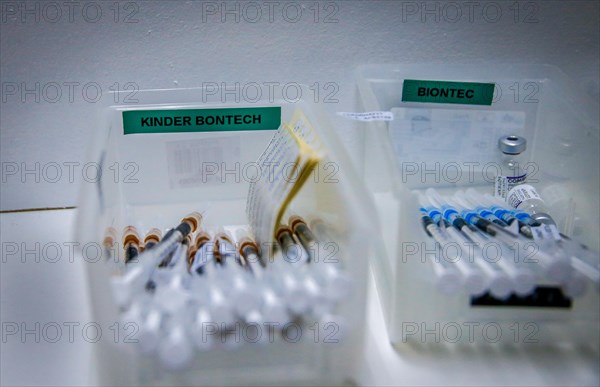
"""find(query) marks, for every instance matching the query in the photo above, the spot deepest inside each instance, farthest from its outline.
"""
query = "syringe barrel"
(294, 253)
(253, 261)
(434, 197)
(203, 258)
(304, 234)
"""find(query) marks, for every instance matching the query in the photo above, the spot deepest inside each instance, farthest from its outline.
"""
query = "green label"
(465, 93)
(201, 120)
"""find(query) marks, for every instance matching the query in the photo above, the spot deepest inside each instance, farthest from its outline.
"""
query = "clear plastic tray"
(154, 189)
(448, 147)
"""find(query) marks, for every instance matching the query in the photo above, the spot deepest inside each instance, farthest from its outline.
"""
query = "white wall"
(179, 44)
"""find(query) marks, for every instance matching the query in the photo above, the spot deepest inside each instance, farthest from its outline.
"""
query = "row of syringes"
(174, 287)
(465, 226)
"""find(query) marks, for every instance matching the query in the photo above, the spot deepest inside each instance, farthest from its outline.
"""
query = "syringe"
(481, 211)
(273, 308)
(498, 208)
(108, 243)
(200, 324)
(161, 274)
(522, 278)
(175, 350)
(139, 270)
(171, 240)
(582, 258)
(206, 284)
(141, 313)
(149, 326)
(131, 243)
(320, 301)
(448, 279)
(499, 283)
(298, 258)
(336, 285)
(249, 252)
(147, 318)
(174, 295)
(293, 252)
(281, 273)
(150, 330)
(528, 226)
(201, 253)
(474, 280)
(151, 239)
(243, 295)
(556, 268)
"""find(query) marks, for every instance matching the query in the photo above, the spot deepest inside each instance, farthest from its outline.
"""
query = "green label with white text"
(201, 120)
(464, 93)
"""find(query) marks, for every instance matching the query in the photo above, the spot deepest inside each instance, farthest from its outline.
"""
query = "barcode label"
(193, 163)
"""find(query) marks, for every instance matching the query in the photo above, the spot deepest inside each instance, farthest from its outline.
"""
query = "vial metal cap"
(544, 218)
(512, 145)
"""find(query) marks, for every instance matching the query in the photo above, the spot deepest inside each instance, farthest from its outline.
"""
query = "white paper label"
(368, 116)
(546, 231)
(266, 195)
(291, 151)
(521, 193)
(503, 184)
(430, 136)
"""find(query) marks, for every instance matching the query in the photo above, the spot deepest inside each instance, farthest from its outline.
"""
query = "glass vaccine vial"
(511, 164)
